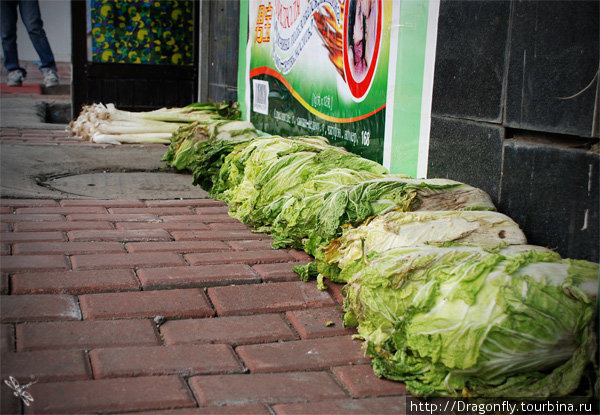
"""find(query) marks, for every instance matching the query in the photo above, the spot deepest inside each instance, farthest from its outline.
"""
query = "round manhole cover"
(136, 185)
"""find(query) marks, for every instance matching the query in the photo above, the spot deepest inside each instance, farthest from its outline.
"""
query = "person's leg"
(30, 14)
(8, 26)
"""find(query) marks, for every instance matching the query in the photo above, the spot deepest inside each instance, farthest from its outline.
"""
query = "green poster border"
(242, 60)
(408, 94)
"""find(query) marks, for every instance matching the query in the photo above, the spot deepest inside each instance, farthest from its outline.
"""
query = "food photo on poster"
(320, 68)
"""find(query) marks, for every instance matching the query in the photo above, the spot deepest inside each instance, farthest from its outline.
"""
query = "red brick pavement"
(168, 306)
(237, 333)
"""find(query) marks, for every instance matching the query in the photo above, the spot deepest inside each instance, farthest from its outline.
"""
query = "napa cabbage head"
(465, 321)
(401, 229)
(354, 204)
(218, 121)
(276, 169)
(201, 146)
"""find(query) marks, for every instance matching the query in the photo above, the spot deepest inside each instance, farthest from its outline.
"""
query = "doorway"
(139, 55)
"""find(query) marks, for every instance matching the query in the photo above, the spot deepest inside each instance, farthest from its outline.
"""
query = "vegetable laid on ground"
(301, 190)
(405, 229)
(443, 290)
(106, 124)
(466, 322)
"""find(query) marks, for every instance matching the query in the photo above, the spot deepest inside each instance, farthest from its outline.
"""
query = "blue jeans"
(30, 14)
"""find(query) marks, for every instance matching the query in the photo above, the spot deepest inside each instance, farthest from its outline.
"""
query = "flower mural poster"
(144, 32)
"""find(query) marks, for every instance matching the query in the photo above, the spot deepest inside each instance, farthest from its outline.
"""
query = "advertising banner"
(320, 67)
(330, 68)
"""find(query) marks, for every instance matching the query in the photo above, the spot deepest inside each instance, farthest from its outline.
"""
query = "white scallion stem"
(147, 138)
(135, 127)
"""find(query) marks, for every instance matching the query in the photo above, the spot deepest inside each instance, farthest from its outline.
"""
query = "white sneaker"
(50, 77)
(15, 78)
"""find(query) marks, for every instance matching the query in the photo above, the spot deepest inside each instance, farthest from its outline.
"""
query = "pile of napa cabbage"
(443, 290)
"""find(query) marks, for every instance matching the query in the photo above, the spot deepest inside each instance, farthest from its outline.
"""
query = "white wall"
(56, 15)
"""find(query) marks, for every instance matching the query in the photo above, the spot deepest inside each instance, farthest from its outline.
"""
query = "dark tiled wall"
(469, 64)
(553, 57)
(469, 152)
(503, 70)
(552, 193)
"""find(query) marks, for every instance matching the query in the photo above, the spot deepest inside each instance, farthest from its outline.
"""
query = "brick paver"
(212, 210)
(278, 271)
(229, 226)
(153, 392)
(122, 217)
(300, 256)
(9, 237)
(74, 282)
(264, 388)
(198, 218)
(234, 330)
(168, 226)
(253, 409)
(169, 306)
(69, 210)
(7, 338)
(263, 298)
(318, 322)
(32, 218)
(136, 235)
(125, 260)
(66, 248)
(33, 262)
(177, 246)
(242, 257)
(360, 381)
(16, 308)
(4, 284)
(201, 276)
(170, 303)
(250, 245)
(60, 226)
(157, 210)
(184, 203)
(188, 359)
(375, 406)
(28, 202)
(85, 334)
(212, 234)
(336, 291)
(9, 403)
(104, 203)
(302, 355)
(47, 365)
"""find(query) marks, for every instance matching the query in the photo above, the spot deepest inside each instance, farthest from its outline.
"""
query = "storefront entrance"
(139, 55)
